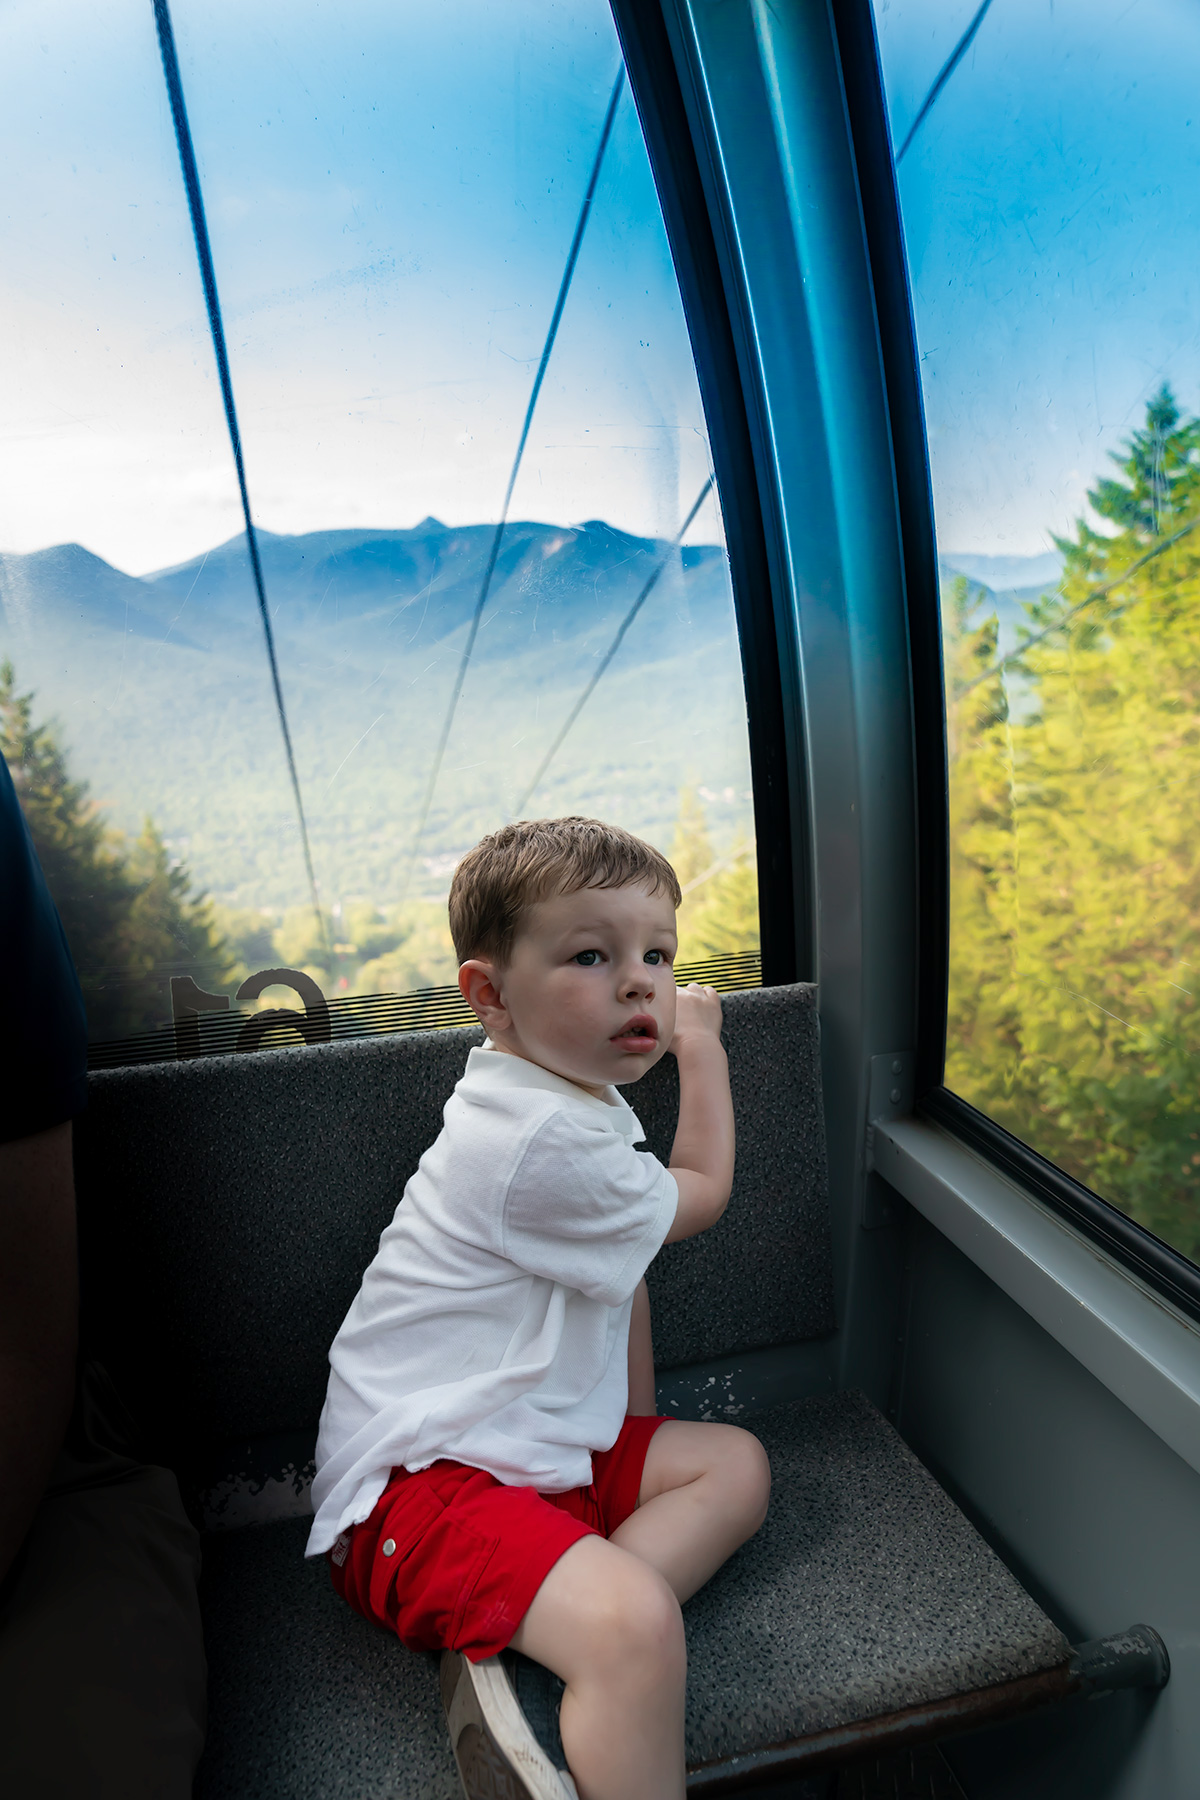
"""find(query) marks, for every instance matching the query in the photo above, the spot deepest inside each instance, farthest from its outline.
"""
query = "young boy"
(480, 1483)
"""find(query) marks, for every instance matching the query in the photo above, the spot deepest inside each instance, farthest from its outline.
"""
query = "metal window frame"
(866, 106)
(1166, 1270)
(731, 393)
(1110, 1317)
(764, 107)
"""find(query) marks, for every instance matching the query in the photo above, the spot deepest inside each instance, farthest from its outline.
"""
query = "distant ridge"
(70, 589)
(160, 686)
(1004, 574)
(370, 588)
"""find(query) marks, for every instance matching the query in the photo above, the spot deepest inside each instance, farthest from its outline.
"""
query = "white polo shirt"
(493, 1325)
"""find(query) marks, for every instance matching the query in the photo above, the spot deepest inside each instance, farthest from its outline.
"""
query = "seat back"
(229, 1205)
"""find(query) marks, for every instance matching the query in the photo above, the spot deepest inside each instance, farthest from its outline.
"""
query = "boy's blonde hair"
(523, 863)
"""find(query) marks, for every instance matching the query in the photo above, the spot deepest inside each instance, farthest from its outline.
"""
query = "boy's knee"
(635, 1622)
(650, 1631)
(748, 1473)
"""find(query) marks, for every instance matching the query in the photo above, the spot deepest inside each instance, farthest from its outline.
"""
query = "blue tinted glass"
(391, 193)
(1050, 211)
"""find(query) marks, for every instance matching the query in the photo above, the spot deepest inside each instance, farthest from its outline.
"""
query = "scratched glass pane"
(391, 194)
(1050, 195)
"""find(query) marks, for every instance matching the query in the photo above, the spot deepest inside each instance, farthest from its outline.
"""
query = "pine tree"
(129, 915)
(1087, 979)
(719, 914)
(984, 919)
(1159, 470)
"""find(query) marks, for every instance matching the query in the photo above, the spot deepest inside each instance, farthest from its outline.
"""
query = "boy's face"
(589, 990)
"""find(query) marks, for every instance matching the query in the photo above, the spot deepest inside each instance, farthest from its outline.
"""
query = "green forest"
(134, 919)
(130, 916)
(1075, 853)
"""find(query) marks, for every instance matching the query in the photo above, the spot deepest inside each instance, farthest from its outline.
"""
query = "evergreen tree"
(984, 917)
(1075, 1009)
(1159, 469)
(129, 915)
(719, 914)
(691, 854)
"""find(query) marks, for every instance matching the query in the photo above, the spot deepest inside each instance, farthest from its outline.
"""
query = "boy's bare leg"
(607, 1620)
(704, 1491)
(641, 1356)
(610, 1626)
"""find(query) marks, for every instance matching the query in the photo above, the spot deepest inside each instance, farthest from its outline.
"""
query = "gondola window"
(416, 276)
(1049, 167)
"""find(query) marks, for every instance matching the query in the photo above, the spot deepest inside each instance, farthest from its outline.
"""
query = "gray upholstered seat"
(865, 1592)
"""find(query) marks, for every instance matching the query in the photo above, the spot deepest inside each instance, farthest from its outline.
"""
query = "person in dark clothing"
(102, 1672)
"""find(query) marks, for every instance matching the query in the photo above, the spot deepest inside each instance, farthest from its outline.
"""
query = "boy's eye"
(586, 958)
(653, 956)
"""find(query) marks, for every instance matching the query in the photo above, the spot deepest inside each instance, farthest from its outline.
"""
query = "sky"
(1051, 203)
(391, 190)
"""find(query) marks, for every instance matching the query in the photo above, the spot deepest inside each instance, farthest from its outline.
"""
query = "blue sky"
(1051, 204)
(391, 190)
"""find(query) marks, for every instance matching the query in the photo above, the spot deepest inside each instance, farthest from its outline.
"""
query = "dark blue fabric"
(44, 1029)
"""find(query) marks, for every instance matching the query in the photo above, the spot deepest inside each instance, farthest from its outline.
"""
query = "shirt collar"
(488, 1067)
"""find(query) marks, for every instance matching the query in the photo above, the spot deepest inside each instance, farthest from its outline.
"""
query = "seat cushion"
(866, 1591)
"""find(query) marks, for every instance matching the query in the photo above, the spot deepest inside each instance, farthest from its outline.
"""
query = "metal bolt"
(895, 1096)
(897, 1065)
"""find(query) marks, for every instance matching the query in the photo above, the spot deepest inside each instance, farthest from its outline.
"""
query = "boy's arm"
(641, 1356)
(702, 1154)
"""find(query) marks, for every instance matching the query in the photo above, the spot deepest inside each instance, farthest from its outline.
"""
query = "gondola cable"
(618, 640)
(944, 73)
(498, 534)
(191, 182)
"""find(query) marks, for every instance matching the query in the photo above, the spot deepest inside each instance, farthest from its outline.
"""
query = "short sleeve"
(44, 1023)
(586, 1209)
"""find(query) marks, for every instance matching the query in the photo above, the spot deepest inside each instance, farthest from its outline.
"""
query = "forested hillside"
(1075, 843)
(140, 724)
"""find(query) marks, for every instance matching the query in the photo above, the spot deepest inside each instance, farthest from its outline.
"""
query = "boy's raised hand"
(702, 1154)
(697, 1014)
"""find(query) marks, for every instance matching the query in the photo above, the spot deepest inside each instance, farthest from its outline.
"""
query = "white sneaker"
(498, 1756)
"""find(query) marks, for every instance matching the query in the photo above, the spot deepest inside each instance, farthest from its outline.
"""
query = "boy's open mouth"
(639, 1035)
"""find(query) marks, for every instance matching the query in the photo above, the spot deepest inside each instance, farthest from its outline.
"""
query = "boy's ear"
(478, 983)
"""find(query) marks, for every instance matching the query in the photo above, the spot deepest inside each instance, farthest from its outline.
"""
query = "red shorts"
(451, 1558)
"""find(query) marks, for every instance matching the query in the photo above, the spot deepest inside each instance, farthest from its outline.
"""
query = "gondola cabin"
(771, 425)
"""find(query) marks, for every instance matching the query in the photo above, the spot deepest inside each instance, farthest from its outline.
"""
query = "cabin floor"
(922, 1774)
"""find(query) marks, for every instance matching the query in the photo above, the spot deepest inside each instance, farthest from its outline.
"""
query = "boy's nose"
(639, 980)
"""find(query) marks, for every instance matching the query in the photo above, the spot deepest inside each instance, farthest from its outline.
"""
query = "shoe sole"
(497, 1755)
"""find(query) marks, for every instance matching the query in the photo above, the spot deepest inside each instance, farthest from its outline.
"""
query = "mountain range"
(1005, 574)
(160, 688)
